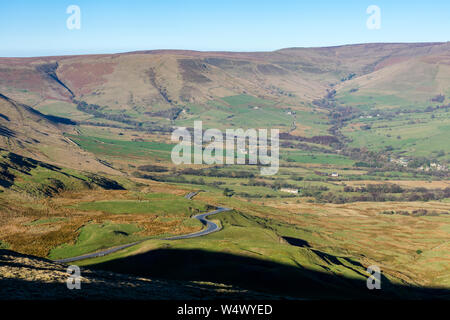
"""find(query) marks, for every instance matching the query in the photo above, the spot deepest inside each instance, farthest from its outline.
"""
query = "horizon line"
(144, 51)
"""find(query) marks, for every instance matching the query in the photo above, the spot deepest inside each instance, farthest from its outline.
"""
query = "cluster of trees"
(391, 114)
(349, 77)
(328, 101)
(177, 179)
(154, 127)
(276, 90)
(344, 113)
(331, 94)
(383, 194)
(379, 161)
(415, 213)
(153, 168)
(439, 98)
(100, 124)
(259, 196)
(362, 164)
(323, 103)
(325, 140)
(377, 188)
(171, 113)
(422, 161)
(214, 172)
(227, 192)
(96, 111)
(367, 158)
(431, 108)
(314, 191)
(274, 185)
(303, 146)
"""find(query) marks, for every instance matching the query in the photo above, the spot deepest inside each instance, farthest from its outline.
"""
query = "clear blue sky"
(32, 28)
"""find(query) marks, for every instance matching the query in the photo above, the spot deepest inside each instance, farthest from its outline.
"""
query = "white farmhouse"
(335, 174)
(289, 190)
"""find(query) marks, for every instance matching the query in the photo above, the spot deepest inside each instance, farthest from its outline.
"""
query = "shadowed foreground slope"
(24, 277)
(260, 275)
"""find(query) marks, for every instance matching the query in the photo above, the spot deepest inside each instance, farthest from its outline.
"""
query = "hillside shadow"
(259, 275)
(101, 288)
(5, 132)
(59, 120)
(41, 279)
(24, 165)
(297, 242)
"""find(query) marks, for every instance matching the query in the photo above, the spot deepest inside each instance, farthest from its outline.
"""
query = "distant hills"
(167, 78)
(160, 89)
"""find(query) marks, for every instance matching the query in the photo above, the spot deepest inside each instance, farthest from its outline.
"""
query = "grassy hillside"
(85, 165)
(25, 131)
(261, 246)
(41, 179)
(405, 82)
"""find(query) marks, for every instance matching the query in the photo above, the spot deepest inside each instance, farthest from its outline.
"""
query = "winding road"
(210, 228)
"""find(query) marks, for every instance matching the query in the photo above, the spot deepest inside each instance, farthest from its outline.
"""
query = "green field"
(94, 237)
(170, 206)
(316, 158)
(368, 101)
(240, 111)
(123, 148)
(63, 109)
(416, 135)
